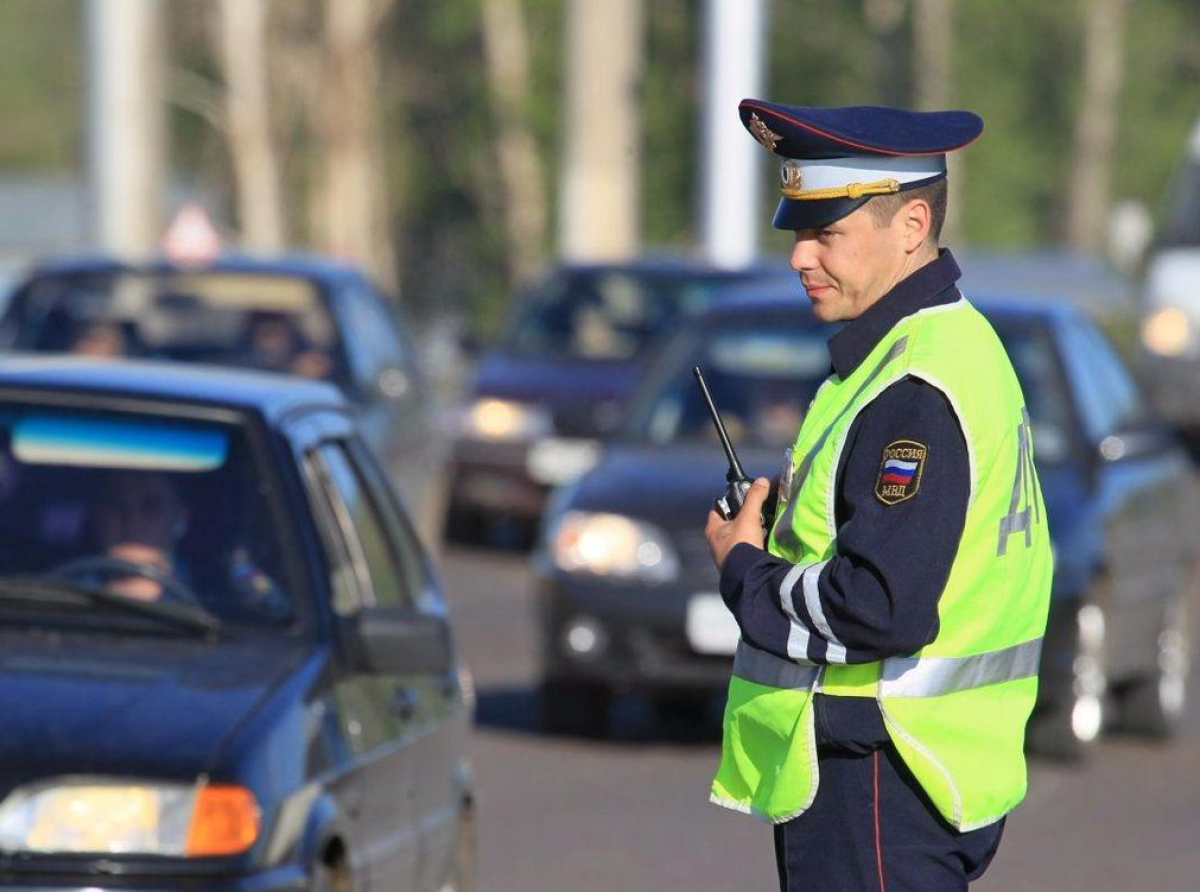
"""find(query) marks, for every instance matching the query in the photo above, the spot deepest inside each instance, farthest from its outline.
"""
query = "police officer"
(892, 614)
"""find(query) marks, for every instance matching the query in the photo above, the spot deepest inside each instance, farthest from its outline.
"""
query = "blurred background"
(541, 191)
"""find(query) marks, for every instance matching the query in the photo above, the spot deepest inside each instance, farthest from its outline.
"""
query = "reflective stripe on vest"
(902, 676)
(934, 676)
(765, 668)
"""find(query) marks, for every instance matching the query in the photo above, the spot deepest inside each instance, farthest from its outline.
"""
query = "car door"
(1143, 490)
(440, 716)
(376, 710)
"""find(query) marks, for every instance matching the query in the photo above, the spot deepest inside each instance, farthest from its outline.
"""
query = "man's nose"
(803, 256)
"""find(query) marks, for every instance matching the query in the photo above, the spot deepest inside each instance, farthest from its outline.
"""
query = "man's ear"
(916, 217)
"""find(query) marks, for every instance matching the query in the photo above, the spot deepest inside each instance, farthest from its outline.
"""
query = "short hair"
(883, 207)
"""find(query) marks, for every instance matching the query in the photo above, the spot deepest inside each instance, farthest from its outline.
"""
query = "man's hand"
(722, 535)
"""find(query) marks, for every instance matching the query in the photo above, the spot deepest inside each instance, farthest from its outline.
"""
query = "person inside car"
(138, 517)
(275, 343)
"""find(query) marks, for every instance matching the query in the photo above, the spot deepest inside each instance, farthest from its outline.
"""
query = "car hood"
(671, 486)
(583, 396)
(132, 706)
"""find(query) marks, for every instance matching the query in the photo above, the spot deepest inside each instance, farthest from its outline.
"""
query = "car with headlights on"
(301, 315)
(1169, 356)
(628, 596)
(542, 401)
(225, 661)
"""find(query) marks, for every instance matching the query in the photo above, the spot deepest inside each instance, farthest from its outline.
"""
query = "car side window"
(1108, 396)
(378, 569)
(376, 345)
(408, 546)
(345, 570)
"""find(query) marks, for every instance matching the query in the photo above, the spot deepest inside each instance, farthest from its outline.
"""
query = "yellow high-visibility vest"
(956, 710)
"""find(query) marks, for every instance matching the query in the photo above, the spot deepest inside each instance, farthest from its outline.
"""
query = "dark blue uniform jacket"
(879, 594)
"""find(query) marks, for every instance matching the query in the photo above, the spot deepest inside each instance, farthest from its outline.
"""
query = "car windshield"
(270, 322)
(761, 376)
(763, 373)
(608, 314)
(152, 509)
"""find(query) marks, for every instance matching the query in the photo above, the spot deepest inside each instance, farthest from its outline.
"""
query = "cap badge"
(763, 133)
(790, 176)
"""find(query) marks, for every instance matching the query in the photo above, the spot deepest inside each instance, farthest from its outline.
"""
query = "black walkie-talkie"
(731, 503)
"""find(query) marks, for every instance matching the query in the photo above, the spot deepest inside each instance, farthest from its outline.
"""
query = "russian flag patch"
(900, 471)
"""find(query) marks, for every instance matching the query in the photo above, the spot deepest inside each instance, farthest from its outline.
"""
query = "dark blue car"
(542, 401)
(303, 315)
(224, 659)
(628, 594)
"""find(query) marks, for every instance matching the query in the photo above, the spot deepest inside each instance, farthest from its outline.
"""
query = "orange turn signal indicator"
(225, 821)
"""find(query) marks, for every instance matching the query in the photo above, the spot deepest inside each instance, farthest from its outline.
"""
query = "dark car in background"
(628, 595)
(225, 662)
(300, 315)
(544, 399)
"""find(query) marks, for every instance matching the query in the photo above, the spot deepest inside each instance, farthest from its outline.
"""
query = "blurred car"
(628, 595)
(299, 315)
(225, 662)
(542, 401)
(1169, 357)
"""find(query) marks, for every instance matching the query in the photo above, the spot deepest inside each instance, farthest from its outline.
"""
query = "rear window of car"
(608, 314)
(762, 377)
(270, 322)
(113, 500)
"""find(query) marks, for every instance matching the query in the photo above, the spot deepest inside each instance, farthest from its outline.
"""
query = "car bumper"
(1171, 385)
(642, 632)
(494, 477)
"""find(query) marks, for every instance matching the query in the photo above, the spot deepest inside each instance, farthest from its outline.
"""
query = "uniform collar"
(931, 285)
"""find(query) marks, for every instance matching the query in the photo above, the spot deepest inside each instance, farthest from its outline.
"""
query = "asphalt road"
(631, 813)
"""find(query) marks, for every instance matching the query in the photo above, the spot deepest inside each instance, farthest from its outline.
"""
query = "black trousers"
(870, 828)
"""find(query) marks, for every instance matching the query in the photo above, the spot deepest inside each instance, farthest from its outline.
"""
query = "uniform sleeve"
(903, 488)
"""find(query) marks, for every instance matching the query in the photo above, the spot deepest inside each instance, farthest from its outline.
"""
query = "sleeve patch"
(900, 471)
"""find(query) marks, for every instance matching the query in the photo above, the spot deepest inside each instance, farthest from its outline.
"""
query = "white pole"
(125, 123)
(730, 158)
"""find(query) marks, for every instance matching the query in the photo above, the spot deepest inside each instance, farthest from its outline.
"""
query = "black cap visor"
(807, 214)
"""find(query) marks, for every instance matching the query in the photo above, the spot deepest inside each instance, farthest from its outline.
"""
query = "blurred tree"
(520, 177)
(251, 144)
(350, 200)
(884, 20)
(1096, 123)
(933, 79)
(602, 144)
(41, 84)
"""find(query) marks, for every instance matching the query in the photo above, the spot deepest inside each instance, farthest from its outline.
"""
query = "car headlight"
(101, 816)
(490, 418)
(1167, 332)
(612, 545)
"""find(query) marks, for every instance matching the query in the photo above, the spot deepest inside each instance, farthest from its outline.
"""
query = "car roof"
(770, 301)
(675, 264)
(269, 395)
(310, 266)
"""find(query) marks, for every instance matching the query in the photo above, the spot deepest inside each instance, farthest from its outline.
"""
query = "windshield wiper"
(34, 589)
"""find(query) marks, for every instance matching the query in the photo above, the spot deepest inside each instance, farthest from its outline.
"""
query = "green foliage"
(41, 83)
(1016, 62)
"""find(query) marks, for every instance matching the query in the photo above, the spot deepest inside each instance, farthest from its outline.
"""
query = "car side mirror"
(394, 383)
(1134, 442)
(389, 640)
